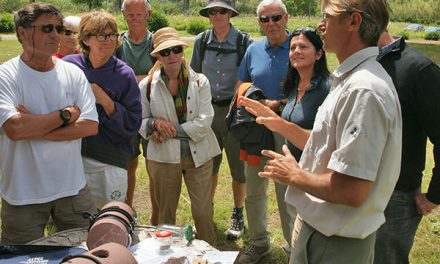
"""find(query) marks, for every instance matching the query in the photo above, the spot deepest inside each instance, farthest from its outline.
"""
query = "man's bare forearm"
(81, 128)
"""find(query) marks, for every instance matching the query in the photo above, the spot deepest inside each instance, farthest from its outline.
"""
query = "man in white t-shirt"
(46, 107)
(351, 160)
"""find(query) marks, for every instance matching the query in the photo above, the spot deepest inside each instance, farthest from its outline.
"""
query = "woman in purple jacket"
(106, 155)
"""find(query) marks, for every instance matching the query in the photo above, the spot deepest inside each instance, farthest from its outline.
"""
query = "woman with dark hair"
(306, 85)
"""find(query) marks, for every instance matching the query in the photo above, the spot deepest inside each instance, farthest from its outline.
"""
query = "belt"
(221, 103)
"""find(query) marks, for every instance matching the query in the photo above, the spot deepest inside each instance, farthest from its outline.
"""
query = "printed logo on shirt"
(116, 195)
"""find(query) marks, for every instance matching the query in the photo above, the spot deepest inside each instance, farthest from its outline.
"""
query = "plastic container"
(164, 238)
(186, 232)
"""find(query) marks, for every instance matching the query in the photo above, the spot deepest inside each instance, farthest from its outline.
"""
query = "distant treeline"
(413, 11)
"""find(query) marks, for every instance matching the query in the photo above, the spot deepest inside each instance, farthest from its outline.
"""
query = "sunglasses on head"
(102, 36)
(50, 27)
(265, 19)
(69, 32)
(213, 12)
(175, 50)
(305, 29)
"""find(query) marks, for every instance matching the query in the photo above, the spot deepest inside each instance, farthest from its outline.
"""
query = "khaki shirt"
(357, 132)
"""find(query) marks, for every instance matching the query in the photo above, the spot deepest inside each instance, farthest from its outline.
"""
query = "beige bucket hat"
(165, 38)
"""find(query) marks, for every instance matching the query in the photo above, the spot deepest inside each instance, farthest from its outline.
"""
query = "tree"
(302, 7)
(185, 5)
(90, 3)
(118, 5)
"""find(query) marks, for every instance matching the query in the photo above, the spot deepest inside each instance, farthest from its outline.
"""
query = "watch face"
(66, 114)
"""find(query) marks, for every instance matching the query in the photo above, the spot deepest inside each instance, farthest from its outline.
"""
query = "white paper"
(221, 257)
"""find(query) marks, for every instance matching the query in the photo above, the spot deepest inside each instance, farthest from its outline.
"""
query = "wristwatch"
(65, 115)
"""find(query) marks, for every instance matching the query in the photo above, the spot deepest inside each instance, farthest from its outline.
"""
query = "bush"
(196, 26)
(157, 21)
(6, 23)
(432, 36)
(404, 34)
(9, 6)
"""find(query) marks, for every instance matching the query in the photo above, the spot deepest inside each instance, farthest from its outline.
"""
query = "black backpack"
(242, 44)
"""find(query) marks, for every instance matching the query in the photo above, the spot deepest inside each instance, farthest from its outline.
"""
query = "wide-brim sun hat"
(165, 38)
(217, 3)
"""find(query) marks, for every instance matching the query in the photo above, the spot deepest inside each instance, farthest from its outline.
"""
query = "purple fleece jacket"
(112, 143)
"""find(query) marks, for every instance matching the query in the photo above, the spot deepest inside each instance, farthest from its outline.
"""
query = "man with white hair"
(135, 51)
(265, 65)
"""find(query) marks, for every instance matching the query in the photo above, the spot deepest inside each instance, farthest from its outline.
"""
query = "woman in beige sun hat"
(176, 117)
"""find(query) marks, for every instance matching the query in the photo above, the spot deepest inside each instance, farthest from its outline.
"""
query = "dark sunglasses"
(103, 37)
(175, 50)
(69, 32)
(305, 29)
(213, 12)
(50, 27)
(265, 19)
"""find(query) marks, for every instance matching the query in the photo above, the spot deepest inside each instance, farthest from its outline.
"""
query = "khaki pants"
(314, 247)
(256, 203)
(167, 181)
(24, 223)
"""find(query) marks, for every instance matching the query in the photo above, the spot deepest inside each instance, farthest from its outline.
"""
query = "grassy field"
(425, 250)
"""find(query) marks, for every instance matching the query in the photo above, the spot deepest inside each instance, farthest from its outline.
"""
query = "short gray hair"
(72, 22)
(269, 2)
(147, 4)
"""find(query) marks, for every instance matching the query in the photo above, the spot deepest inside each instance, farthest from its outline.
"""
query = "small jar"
(164, 238)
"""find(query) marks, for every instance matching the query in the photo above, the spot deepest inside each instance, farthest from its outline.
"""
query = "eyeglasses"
(265, 19)
(221, 11)
(175, 50)
(305, 29)
(50, 27)
(70, 32)
(103, 37)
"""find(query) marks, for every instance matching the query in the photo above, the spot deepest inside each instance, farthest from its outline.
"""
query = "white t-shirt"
(40, 171)
(357, 132)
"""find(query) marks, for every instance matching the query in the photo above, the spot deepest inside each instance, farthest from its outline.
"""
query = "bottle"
(186, 232)
(164, 238)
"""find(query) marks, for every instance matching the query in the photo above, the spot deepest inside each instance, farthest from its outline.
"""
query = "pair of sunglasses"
(102, 37)
(50, 27)
(175, 50)
(221, 11)
(265, 19)
(69, 32)
(305, 29)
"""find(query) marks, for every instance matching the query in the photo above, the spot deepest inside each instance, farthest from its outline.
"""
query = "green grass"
(426, 248)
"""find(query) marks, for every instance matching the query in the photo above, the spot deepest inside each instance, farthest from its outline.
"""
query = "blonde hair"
(93, 23)
(375, 16)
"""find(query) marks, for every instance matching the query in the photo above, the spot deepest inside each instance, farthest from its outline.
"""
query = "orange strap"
(241, 90)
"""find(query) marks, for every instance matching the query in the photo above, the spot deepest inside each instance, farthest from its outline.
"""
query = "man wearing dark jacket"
(416, 79)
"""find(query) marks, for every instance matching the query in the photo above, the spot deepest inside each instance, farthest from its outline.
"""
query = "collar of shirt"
(230, 38)
(394, 46)
(355, 60)
(284, 45)
(314, 82)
